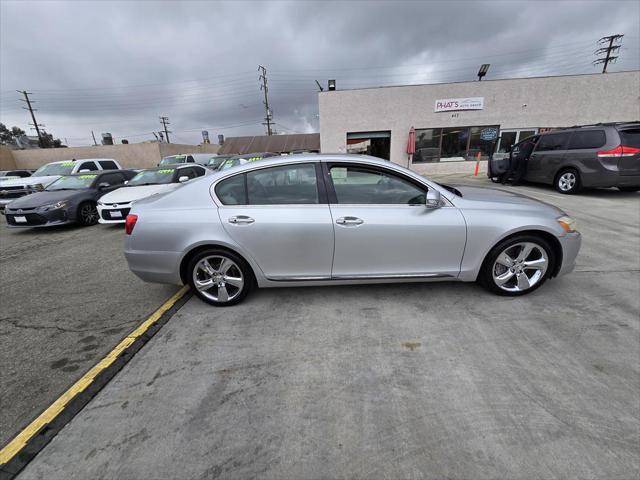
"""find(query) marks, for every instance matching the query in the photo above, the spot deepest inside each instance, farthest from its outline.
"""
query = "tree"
(7, 136)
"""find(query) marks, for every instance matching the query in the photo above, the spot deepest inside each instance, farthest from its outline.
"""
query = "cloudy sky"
(114, 67)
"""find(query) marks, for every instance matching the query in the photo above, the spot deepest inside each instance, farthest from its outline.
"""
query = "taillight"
(129, 223)
(620, 151)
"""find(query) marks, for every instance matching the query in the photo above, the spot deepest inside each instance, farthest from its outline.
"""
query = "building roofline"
(476, 81)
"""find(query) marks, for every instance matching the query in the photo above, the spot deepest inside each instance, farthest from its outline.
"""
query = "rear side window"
(199, 171)
(87, 166)
(587, 139)
(112, 179)
(553, 141)
(630, 137)
(232, 191)
(190, 159)
(285, 185)
(108, 165)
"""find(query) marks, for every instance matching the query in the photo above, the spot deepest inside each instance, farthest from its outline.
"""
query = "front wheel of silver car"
(518, 265)
(219, 277)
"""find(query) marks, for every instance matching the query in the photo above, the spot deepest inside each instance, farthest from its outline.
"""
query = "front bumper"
(570, 243)
(36, 218)
(109, 213)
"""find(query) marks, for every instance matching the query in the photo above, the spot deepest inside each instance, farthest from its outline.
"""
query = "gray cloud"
(116, 66)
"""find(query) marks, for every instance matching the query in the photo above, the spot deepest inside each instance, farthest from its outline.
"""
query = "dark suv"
(603, 155)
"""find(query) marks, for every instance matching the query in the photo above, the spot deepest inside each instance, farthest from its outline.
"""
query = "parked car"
(343, 219)
(69, 199)
(114, 206)
(245, 158)
(604, 155)
(46, 174)
(215, 162)
(12, 174)
(200, 158)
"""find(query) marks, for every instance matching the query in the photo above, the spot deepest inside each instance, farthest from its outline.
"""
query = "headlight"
(54, 206)
(567, 223)
(38, 187)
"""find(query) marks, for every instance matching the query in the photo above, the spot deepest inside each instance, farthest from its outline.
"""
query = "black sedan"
(70, 199)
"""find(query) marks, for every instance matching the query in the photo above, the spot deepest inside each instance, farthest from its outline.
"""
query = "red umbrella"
(411, 144)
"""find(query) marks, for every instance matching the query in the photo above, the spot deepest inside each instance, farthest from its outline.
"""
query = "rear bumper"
(609, 179)
(156, 267)
(570, 243)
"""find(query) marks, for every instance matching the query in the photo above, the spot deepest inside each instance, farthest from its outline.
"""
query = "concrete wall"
(133, 155)
(550, 102)
(7, 161)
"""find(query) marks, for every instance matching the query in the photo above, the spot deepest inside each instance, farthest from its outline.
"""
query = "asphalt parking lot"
(386, 381)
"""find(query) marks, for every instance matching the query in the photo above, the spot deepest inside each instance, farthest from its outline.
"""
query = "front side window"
(357, 185)
(553, 141)
(72, 182)
(91, 166)
(587, 139)
(284, 185)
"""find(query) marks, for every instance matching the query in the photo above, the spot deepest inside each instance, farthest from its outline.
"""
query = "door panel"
(285, 241)
(383, 240)
(547, 157)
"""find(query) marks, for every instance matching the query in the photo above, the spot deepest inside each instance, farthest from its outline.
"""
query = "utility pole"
(319, 86)
(165, 121)
(94, 138)
(35, 124)
(268, 118)
(608, 50)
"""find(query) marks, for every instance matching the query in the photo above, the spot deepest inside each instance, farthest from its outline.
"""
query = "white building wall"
(516, 103)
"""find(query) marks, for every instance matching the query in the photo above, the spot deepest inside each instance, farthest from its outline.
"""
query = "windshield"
(231, 162)
(72, 182)
(63, 168)
(215, 162)
(152, 177)
(173, 159)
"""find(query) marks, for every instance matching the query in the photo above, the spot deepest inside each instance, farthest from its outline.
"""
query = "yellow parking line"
(20, 440)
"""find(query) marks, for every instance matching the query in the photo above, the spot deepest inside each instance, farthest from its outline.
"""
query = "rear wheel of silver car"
(518, 265)
(568, 181)
(219, 277)
(87, 214)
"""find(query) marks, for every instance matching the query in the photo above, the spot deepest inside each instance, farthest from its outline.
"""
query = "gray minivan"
(602, 155)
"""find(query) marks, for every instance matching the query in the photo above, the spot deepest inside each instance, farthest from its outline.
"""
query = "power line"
(263, 86)
(608, 50)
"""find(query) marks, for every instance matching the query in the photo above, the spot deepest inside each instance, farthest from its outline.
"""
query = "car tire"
(568, 181)
(526, 273)
(628, 189)
(87, 214)
(222, 266)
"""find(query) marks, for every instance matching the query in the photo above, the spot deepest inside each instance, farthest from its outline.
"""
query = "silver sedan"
(343, 219)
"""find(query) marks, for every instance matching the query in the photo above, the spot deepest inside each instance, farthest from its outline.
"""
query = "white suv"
(48, 173)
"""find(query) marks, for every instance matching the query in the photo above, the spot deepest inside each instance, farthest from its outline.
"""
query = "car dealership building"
(454, 122)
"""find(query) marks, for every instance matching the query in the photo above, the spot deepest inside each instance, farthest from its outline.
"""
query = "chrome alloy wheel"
(567, 181)
(520, 266)
(89, 214)
(218, 278)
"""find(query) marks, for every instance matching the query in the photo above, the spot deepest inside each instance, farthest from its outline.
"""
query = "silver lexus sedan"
(343, 219)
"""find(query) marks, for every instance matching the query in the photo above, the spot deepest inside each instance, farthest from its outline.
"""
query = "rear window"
(587, 139)
(630, 137)
(553, 141)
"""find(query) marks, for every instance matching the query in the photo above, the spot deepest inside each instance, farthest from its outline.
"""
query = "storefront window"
(454, 144)
(427, 145)
(482, 141)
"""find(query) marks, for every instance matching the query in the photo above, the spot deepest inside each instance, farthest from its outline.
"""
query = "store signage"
(453, 104)
(489, 134)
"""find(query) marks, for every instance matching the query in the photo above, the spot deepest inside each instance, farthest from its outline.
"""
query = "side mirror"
(183, 179)
(433, 199)
(103, 185)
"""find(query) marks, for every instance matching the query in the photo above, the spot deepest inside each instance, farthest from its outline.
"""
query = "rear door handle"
(349, 221)
(241, 220)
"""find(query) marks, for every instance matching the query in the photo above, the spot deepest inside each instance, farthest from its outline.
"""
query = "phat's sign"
(456, 104)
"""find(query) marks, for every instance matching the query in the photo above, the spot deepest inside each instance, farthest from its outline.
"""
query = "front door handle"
(241, 220)
(349, 221)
